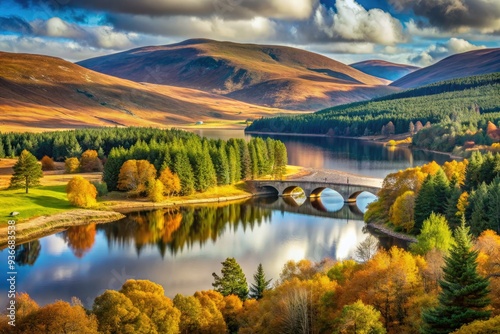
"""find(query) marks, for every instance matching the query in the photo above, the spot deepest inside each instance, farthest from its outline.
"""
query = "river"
(179, 248)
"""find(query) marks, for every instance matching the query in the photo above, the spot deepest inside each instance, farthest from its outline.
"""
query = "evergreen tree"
(203, 170)
(115, 161)
(477, 210)
(27, 172)
(221, 165)
(472, 172)
(254, 164)
(234, 172)
(493, 204)
(280, 160)
(246, 161)
(261, 284)
(441, 191)
(233, 280)
(464, 292)
(424, 203)
(2, 150)
(183, 169)
(451, 211)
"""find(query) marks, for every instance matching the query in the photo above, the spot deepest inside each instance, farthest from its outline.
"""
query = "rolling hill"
(275, 76)
(41, 92)
(384, 69)
(457, 66)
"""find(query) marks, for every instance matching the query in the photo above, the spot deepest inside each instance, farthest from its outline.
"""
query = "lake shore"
(44, 225)
(379, 228)
(383, 140)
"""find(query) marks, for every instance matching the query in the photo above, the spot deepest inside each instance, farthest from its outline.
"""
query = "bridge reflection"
(317, 206)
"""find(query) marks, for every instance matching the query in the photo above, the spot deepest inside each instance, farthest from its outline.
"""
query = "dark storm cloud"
(234, 9)
(455, 14)
(15, 24)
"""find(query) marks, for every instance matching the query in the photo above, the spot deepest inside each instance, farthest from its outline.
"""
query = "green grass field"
(40, 201)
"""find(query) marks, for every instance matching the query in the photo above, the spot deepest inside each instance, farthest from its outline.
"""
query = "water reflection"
(180, 248)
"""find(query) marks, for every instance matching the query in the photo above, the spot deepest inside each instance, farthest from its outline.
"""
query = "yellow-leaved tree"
(171, 182)
(402, 211)
(81, 192)
(135, 175)
(72, 165)
(155, 190)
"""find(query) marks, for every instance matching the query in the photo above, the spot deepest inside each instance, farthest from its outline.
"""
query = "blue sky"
(405, 31)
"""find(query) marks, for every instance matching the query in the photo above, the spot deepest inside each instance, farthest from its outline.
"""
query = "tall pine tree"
(27, 172)
(464, 294)
(233, 280)
(260, 283)
(424, 203)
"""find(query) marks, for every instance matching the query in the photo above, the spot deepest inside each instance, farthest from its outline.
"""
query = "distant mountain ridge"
(460, 65)
(42, 92)
(275, 76)
(384, 69)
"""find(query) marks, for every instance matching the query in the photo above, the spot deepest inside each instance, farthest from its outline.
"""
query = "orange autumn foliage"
(47, 163)
(488, 244)
(135, 175)
(80, 239)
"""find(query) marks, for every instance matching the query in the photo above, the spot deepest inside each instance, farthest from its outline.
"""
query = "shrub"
(102, 188)
(47, 163)
(72, 165)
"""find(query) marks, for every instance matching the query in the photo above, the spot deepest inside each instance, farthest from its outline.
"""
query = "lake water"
(348, 155)
(180, 248)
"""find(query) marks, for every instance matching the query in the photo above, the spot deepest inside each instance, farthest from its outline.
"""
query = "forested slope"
(468, 100)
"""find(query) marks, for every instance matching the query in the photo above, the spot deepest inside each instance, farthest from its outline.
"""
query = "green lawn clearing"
(41, 201)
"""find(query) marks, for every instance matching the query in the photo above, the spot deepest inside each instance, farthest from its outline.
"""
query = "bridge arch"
(319, 190)
(269, 189)
(288, 191)
(353, 196)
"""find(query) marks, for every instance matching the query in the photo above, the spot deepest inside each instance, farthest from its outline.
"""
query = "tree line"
(469, 189)
(470, 101)
(199, 163)
(147, 160)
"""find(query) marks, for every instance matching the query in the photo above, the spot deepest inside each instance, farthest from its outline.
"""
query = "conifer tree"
(115, 160)
(221, 165)
(424, 203)
(2, 150)
(280, 160)
(184, 171)
(441, 191)
(27, 172)
(464, 294)
(246, 161)
(260, 283)
(472, 172)
(233, 280)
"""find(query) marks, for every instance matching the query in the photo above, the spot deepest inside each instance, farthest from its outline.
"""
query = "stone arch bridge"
(312, 188)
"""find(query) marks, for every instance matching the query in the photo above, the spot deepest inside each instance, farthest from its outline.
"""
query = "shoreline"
(373, 139)
(376, 139)
(389, 232)
(42, 226)
(124, 206)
